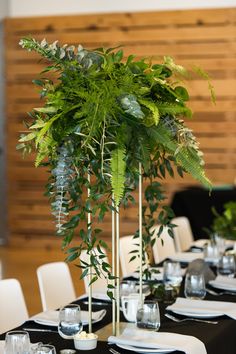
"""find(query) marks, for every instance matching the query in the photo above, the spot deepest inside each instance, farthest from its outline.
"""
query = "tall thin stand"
(140, 237)
(90, 273)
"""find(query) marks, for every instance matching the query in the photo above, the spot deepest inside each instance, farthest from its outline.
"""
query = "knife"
(39, 330)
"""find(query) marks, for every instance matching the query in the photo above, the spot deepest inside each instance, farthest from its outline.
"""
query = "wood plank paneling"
(205, 38)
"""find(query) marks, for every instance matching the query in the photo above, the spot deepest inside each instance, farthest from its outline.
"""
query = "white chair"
(55, 285)
(128, 244)
(13, 310)
(164, 247)
(100, 285)
(183, 233)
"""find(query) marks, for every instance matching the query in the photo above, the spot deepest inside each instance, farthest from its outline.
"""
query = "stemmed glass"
(17, 342)
(70, 322)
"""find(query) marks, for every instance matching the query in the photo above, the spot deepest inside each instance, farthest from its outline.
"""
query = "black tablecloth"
(218, 339)
(196, 204)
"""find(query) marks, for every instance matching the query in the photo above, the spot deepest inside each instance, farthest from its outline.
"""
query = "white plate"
(144, 350)
(50, 317)
(197, 315)
(222, 286)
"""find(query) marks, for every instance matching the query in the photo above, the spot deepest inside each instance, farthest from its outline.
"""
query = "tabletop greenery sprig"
(102, 116)
(224, 224)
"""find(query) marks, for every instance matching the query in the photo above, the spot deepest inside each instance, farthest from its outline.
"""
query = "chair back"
(183, 233)
(164, 246)
(100, 285)
(128, 244)
(13, 310)
(55, 285)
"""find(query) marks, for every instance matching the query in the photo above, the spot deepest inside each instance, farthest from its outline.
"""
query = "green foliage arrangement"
(225, 224)
(102, 116)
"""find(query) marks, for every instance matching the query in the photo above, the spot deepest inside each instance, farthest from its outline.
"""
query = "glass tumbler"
(172, 274)
(45, 349)
(17, 342)
(226, 265)
(194, 287)
(70, 322)
(148, 316)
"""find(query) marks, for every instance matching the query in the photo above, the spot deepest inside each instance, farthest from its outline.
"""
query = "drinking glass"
(45, 349)
(148, 316)
(211, 253)
(194, 286)
(128, 287)
(69, 321)
(172, 276)
(226, 265)
(220, 243)
(17, 342)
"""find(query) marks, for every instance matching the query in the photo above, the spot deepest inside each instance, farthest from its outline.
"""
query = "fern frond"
(186, 157)
(118, 173)
(174, 109)
(43, 151)
(153, 117)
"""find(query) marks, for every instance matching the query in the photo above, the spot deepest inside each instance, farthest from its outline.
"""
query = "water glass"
(220, 243)
(128, 287)
(70, 322)
(195, 286)
(226, 265)
(172, 275)
(148, 316)
(45, 349)
(211, 253)
(17, 342)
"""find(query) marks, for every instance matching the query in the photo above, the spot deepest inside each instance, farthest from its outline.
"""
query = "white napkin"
(204, 307)
(225, 283)
(51, 317)
(162, 340)
(186, 257)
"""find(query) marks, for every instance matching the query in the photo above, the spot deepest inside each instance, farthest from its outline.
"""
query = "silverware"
(173, 318)
(39, 330)
(216, 293)
(113, 351)
(97, 303)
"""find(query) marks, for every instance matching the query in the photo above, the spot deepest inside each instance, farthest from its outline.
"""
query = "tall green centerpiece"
(105, 124)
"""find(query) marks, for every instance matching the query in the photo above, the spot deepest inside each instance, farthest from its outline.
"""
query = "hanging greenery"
(102, 116)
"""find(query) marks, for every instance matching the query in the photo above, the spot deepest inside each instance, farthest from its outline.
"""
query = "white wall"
(4, 7)
(19, 8)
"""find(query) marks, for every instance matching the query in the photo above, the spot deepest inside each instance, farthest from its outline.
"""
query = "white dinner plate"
(222, 286)
(144, 350)
(51, 317)
(197, 315)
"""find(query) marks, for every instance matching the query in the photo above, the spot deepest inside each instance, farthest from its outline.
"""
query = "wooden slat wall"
(205, 38)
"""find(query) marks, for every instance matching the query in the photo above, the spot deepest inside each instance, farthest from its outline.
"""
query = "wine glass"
(70, 322)
(17, 342)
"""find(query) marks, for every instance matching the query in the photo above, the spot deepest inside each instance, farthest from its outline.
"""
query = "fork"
(173, 318)
(113, 351)
(226, 292)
